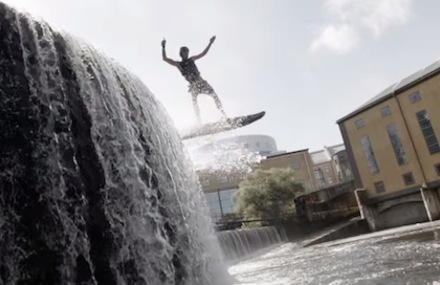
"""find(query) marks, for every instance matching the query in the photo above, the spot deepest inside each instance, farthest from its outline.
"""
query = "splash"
(222, 156)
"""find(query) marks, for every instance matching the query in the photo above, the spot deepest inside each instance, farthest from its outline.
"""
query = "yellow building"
(300, 161)
(220, 188)
(326, 171)
(314, 171)
(392, 144)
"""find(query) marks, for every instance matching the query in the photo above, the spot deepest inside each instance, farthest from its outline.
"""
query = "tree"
(266, 194)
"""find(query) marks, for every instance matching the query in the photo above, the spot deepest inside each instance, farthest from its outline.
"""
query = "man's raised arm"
(196, 57)
(164, 55)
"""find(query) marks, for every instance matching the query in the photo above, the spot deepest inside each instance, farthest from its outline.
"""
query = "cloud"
(339, 38)
(349, 17)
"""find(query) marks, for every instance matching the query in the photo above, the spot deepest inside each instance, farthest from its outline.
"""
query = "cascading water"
(94, 185)
(241, 243)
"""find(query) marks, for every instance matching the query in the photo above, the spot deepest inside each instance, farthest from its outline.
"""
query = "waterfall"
(241, 243)
(95, 187)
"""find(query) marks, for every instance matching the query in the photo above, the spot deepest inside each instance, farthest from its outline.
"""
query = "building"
(300, 161)
(220, 188)
(219, 191)
(342, 166)
(329, 194)
(323, 169)
(392, 145)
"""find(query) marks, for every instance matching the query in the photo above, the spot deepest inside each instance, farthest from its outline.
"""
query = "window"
(401, 156)
(385, 111)
(408, 178)
(359, 123)
(224, 179)
(437, 168)
(318, 174)
(415, 97)
(326, 169)
(369, 155)
(227, 201)
(380, 187)
(296, 165)
(428, 132)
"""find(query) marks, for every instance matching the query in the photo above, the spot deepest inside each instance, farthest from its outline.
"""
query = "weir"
(241, 243)
(95, 187)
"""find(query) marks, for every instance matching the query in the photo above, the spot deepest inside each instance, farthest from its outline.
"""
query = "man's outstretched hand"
(163, 43)
(211, 41)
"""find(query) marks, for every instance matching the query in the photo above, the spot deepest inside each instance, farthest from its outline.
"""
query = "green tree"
(266, 194)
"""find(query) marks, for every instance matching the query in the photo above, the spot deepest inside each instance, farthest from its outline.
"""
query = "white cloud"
(338, 38)
(349, 17)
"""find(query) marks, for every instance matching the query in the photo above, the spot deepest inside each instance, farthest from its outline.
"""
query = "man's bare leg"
(196, 108)
(218, 104)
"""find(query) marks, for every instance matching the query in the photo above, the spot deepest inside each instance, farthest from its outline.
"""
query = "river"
(405, 255)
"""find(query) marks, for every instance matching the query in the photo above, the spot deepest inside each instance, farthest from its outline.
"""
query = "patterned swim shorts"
(200, 86)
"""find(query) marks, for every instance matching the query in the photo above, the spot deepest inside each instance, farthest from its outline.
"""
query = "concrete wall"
(410, 207)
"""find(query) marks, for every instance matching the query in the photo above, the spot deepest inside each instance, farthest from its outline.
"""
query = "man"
(189, 70)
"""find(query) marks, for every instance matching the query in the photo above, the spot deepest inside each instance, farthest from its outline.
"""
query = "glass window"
(380, 187)
(227, 201)
(428, 132)
(401, 156)
(296, 165)
(408, 178)
(359, 123)
(213, 204)
(414, 97)
(385, 111)
(369, 155)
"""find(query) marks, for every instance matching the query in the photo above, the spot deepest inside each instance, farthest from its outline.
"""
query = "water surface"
(407, 255)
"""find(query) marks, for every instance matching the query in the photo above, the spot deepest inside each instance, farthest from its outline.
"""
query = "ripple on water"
(397, 259)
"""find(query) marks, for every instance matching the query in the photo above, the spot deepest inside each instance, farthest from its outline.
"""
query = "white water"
(405, 255)
(242, 243)
(226, 157)
(128, 175)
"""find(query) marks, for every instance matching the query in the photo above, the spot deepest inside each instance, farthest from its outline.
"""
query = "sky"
(306, 63)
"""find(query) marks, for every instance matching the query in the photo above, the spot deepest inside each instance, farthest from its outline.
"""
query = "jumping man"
(197, 85)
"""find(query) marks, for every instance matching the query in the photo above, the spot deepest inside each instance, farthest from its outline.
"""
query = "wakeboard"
(222, 126)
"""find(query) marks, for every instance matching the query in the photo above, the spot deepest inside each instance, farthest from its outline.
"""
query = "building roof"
(320, 156)
(335, 149)
(286, 153)
(396, 88)
(325, 155)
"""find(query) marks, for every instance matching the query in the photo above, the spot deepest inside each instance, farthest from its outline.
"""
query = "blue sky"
(306, 63)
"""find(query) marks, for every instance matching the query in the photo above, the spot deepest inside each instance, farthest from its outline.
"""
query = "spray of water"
(222, 155)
